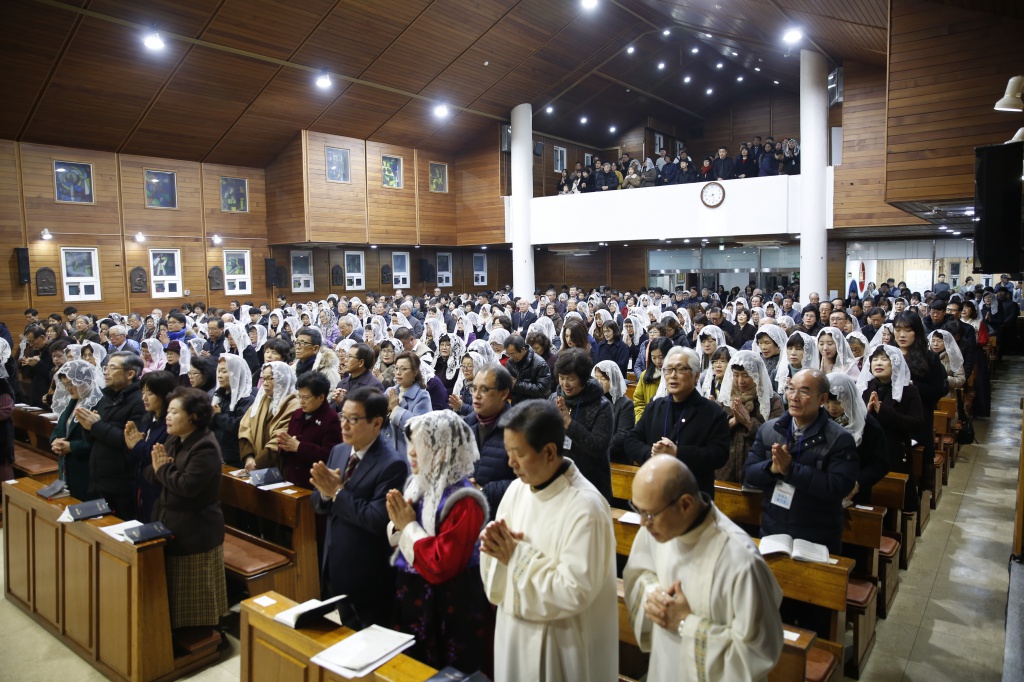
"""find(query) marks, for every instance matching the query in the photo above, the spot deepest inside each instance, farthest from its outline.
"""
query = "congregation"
(440, 435)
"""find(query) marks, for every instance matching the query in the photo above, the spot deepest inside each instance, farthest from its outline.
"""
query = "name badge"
(567, 444)
(783, 495)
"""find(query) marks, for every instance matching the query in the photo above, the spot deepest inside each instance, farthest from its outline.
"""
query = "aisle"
(948, 619)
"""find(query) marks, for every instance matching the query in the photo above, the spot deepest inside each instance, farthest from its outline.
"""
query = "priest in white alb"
(701, 599)
(548, 561)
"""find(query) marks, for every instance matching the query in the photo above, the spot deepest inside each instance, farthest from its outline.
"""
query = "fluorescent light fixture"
(323, 81)
(793, 35)
(661, 65)
(549, 109)
(686, 80)
(589, 4)
(441, 110)
(153, 41)
(1011, 99)
(583, 119)
(46, 234)
(630, 49)
(139, 237)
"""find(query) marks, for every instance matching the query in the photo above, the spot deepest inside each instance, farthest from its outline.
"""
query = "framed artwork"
(391, 171)
(439, 177)
(400, 268)
(355, 275)
(72, 183)
(337, 165)
(81, 274)
(161, 189)
(444, 269)
(302, 270)
(165, 268)
(234, 195)
(559, 159)
(237, 277)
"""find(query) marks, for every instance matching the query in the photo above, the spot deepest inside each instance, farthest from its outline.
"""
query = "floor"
(947, 622)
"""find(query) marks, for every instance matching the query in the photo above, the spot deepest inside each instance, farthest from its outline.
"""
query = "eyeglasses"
(303, 344)
(481, 390)
(648, 517)
(303, 397)
(351, 421)
(673, 371)
(803, 393)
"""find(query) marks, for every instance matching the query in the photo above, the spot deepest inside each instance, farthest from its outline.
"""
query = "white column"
(522, 193)
(813, 160)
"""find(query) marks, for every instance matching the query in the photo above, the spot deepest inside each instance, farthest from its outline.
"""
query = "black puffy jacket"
(491, 472)
(110, 470)
(532, 375)
(589, 435)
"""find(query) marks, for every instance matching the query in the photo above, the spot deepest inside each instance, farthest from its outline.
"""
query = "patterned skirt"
(452, 622)
(196, 588)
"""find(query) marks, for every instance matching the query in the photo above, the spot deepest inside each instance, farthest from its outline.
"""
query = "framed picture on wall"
(72, 183)
(234, 195)
(391, 171)
(81, 270)
(337, 164)
(161, 189)
(439, 177)
(165, 267)
(237, 277)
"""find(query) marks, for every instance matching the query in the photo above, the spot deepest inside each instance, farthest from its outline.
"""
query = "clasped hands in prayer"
(498, 541)
(667, 607)
(86, 417)
(160, 457)
(400, 510)
(781, 459)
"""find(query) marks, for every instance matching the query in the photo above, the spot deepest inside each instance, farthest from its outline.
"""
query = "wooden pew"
(291, 570)
(104, 599)
(36, 427)
(34, 464)
(272, 652)
(890, 493)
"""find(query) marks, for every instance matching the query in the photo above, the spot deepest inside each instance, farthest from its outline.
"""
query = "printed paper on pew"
(631, 518)
(363, 652)
(65, 516)
(117, 530)
(275, 486)
(790, 636)
(264, 601)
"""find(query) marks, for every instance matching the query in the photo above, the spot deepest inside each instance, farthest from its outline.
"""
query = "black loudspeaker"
(24, 276)
(271, 266)
(428, 273)
(998, 240)
(538, 149)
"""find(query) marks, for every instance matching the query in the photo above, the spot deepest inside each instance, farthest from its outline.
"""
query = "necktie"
(350, 468)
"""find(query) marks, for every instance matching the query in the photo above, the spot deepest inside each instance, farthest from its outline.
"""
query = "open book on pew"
(54, 491)
(800, 550)
(305, 613)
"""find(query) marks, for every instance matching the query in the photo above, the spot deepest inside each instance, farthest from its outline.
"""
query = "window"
(165, 271)
(400, 269)
(81, 268)
(559, 159)
(588, 159)
(659, 142)
(355, 277)
(444, 269)
(480, 269)
(302, 271)
(237, 272)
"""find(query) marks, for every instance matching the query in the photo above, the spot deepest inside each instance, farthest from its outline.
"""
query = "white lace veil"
(810, 359)
(900, 371)
(752, 363)
(85, 377)
(844, 356)
(240, 379)
(237, 334)
(484, 350)
(843, 387)
(778, 337)
(876, 340)
(714, 332)
(261, 336)
(956, 358)
(617, 383)
(156, 353)
(284, 386)
(5, 355)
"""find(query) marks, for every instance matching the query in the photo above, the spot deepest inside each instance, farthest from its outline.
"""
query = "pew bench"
(36, 428)
(261, 565)
(890, 493)
(34, 464)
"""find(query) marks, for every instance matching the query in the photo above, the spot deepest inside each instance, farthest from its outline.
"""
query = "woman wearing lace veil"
(271, 409)
(749, 401)
(847, 409)
(78, 385)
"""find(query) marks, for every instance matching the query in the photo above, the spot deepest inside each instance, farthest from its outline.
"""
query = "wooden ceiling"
(226, 89)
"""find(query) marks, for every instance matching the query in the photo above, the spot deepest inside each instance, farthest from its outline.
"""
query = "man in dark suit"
(351, 489)
(523, 318)
(36, 366)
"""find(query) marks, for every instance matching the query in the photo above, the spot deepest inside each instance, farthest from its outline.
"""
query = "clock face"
(712, 194)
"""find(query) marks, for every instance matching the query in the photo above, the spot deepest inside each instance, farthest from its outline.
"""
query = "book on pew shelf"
(362, 653)
(800, 550)
(147, 532)
(85, 510)
(29, 408)
(54, 491)
(305, 613)
(267, 476)
(449, 673)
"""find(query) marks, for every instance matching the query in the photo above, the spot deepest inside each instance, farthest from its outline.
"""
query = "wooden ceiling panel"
(460, 132)
(873, 13)
(216, 86)
(359, 112)
(31, 37)
(412, 125)
(243, 24)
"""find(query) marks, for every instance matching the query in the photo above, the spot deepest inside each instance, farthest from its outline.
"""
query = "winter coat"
(685, 177)
(769, 166)
(747, 167)
(491, 472)
(533, 377)
(742, 439)
(589, 435)
(901, 422)
(617, 352)
(317, 434)
(669, 173)
(109, 470)
(873, 456)
(225, 425)
(724, 169)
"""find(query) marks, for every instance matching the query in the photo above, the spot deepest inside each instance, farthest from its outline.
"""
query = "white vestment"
(734, 632)
(557, 605)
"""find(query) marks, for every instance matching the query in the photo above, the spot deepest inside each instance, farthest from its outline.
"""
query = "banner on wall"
(859, 273)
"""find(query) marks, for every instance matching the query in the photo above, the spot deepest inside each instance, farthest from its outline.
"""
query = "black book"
(54, 491)
(147, 532)
(265, 476)
(88, 510)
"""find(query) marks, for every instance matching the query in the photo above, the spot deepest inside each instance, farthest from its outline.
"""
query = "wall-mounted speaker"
(998, 240)
(24, 276)
(271, 266)
(538, 149)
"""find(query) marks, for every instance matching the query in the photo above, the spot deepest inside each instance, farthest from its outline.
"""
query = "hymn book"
(305, 613)
(54, 491)
(800, 550)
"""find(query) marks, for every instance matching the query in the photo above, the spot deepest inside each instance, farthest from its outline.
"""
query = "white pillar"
(522, 193)
(813, 160)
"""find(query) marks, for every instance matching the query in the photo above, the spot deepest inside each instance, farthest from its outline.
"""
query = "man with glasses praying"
(701, 599)
(682, 423)
(351, 490)
(491, 388)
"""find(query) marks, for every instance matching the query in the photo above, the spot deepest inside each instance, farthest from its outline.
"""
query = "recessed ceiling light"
(793, 35)
(666, 32)
(776, 82)
(757, 68)
(483, 248)
(661, 65)
(695, 50)
(630, 49)
(707, 35)
(709, 91)
(719, 65)
(373, 246)
(739, 79)
(153, 41)
(735, 54)
(441, 111)
(323, 81)
(549, 109)
(589, 4)
(612, 129)
(956, 233)
(216, 239)
(583, 119)
(686, 241)
(943, 227)
(486, 63)
(686, 80)
(139, 237)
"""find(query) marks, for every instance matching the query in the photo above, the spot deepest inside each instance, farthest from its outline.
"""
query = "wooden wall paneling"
(87, 225)
(633, 142)
(586, 271)
(548, 268)
(499, 268)
(836, 276)
(785, 115)
(286, 178)
(336, 211)
(749, 115)
(391, 212)
(435, 210)
(941, 89)
(479, 208)
(628, 267)
(258, 252)
(12, 235)
(898, 268)
(859, 196)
